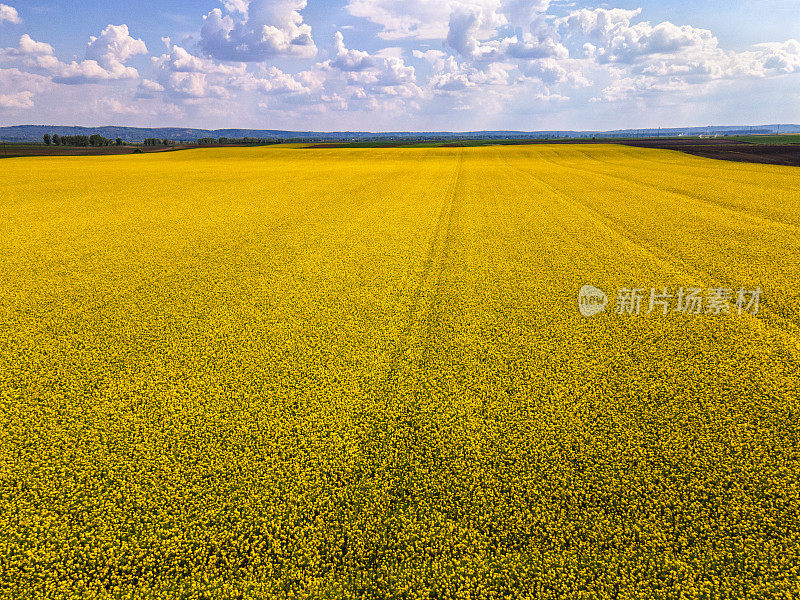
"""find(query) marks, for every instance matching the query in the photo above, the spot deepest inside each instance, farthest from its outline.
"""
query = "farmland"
(334, 373)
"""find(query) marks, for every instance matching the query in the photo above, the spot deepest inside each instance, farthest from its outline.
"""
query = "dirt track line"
(658, 162)
(779, 322)
(413, 306)
(710, 203)
(432, 311)
(428, 293)
(780, 315)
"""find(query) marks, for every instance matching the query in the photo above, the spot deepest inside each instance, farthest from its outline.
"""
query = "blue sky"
(400, 64)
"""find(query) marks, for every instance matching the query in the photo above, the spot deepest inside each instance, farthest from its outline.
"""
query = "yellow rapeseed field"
(283, 372)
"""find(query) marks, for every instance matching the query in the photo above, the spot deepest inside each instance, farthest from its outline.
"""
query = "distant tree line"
(99, 140)
(244, 141)
(79, 140)
(158, 142)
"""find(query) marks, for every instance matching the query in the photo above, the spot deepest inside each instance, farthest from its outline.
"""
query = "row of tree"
(158, 142)
(79, 140)
(99, 140)
(207, 141)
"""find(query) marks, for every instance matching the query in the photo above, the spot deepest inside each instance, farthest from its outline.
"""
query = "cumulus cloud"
(18, 89)
(179, 60)
(256, 30)
(490, 44)
(274, 82)
(552, 71)
(27, 50)
(379, 72)
(149, 89)
(115, 106)
(182, 75)
(449, 76)
(490, 56)
(779, 57)
(9, 14)
(350, 60)
(642, 58)
(22, 99)
(431, 19)
(472, 28)
(600, 23)
(357, 80)
(105, 57)
(113, 47)
(628, 88)
(493, 47)
(235, 6)
(617, 39)
(468, 25)
(427, 19)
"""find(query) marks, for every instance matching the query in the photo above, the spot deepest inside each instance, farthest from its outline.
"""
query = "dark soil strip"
(787, 155)
(718, 148)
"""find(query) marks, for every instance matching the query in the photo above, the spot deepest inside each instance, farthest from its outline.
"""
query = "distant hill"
(34, 133)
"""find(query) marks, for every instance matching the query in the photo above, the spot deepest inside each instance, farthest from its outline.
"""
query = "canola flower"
(291, 373)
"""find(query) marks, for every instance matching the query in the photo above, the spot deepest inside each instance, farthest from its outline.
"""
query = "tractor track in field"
(403, 411)
(710, 203)
(415, 306)
(424, 297)
(779, 321)
(433, 310)
(663, 165)
(782, 318)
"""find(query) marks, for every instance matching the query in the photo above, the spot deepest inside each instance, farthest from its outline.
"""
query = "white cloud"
(234, 6)
(600, 23)
(89, 71)
(10, 14)
(255, 30)
(350, 60)
(185, 76)
(628, 88)
(780, 57)
(491, 61)
(468, 25)
(379, 72)
(113, 47)
(149, 89)
(643, 59)
(431, 19)
(531, 47)
(18, 89)
(427, 19)
(115, 106)
(496, 43)
(273, 81)
(486, 60)
(22, 99)
(356, 80)
(553, 71)
(27, 50)
(617, 39)
(472, 28)
(449, 76)
(179, 60)
(182, 75)
(150, 85)
(547, 96)
(105, 58)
